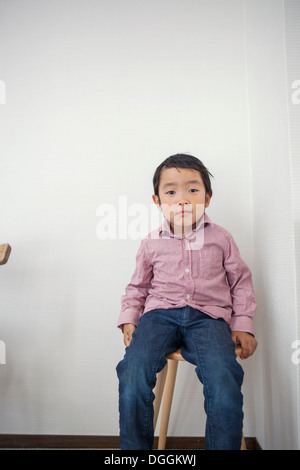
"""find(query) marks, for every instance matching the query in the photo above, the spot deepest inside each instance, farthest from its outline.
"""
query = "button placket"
(187, 271)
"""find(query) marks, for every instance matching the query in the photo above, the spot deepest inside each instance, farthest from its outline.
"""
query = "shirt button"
(187, 270)
(188, 296)
(186, 240)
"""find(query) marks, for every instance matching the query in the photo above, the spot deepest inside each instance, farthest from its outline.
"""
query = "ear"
(156, 201)
(207, 199)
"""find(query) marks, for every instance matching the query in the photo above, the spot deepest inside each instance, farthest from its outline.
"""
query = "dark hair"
(182, 160)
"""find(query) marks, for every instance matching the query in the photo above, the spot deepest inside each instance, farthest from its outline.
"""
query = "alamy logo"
(2, 92)
(125, 221)
(296, 354)
(2, 352)
(296, 93)
(136, 221)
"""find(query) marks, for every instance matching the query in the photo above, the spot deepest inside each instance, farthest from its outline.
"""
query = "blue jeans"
(206, 343)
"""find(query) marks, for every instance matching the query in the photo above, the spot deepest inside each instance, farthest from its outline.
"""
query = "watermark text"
(2, 352)
(296, 94)
(296, 354)
(2, 92)
(136, 221)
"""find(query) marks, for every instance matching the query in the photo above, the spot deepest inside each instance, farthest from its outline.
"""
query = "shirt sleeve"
(241, 287)
(132, 303)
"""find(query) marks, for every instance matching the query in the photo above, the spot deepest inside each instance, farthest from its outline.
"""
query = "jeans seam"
(208, 395)
(154, 371)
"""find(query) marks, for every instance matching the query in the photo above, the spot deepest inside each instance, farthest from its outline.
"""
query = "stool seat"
(176, 355)
(164, 389)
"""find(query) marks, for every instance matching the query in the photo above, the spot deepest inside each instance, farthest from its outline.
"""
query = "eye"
(194, 190)
(171, 192)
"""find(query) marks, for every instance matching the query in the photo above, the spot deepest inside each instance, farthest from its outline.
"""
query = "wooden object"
(5, 250)
(164, 389)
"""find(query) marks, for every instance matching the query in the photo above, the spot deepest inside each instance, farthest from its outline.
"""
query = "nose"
(182, 202)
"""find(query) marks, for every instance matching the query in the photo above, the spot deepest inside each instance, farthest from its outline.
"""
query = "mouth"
(183, 212)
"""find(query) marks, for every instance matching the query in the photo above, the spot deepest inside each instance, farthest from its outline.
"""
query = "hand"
(247, 341)
(128, 330)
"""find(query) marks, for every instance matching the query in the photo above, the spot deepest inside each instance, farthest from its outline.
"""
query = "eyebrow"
(166, 185)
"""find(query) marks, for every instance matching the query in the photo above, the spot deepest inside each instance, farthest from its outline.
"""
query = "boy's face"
(182, 198)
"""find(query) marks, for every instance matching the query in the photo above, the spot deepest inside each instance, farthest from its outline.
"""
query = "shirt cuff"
(242, 323)
(128, 316)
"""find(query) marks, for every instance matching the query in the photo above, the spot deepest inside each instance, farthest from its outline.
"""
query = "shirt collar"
(165, 229)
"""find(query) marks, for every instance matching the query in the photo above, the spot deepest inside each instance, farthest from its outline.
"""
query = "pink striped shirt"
(172, 272)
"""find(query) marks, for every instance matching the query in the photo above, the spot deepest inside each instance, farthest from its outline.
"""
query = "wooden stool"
(5, 250)
(164, 389)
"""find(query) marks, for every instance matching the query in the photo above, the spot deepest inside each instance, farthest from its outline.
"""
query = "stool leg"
(158, 392)
(167, 402)
(243, 444)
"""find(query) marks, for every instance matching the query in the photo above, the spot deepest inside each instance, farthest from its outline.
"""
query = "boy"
(190, 289)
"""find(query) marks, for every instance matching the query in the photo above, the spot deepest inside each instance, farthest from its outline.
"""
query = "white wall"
(97, 94)
(269, 26)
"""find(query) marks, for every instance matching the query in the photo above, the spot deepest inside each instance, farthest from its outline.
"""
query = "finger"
(245, 351)
(248, 350)
(234, 337)
(126, 339)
